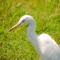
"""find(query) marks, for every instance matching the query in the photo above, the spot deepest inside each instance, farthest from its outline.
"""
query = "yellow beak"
(15, 26)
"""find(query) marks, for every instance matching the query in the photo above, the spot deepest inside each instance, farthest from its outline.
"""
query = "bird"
(44, 44)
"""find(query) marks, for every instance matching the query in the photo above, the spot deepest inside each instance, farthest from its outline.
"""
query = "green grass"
(15, 45)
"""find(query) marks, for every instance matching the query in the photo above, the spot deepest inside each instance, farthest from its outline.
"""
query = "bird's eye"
(23, 21)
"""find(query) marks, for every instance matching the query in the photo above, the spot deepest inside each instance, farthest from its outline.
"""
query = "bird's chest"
(49, 51)
(45, 46)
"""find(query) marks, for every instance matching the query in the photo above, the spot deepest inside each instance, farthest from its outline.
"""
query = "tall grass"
(15, 45)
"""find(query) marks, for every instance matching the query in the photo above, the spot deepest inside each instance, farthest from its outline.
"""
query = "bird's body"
(48, 48)
(44, 44)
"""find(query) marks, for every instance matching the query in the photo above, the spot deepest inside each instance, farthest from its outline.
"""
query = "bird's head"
(26, 19)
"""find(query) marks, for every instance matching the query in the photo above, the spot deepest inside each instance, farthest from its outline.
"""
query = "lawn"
(15, 45)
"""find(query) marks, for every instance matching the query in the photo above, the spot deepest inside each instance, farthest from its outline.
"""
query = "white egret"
(44, 44)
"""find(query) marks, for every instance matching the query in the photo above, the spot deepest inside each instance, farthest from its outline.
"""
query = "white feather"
(43, 43)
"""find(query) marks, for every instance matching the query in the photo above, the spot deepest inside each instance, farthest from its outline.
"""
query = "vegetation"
(15, 45)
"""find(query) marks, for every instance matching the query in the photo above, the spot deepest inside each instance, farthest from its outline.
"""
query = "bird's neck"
(31, 31)
(32, 36)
